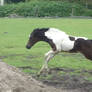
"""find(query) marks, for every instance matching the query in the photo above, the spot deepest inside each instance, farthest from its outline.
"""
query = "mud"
(67, 81)
(72, 80)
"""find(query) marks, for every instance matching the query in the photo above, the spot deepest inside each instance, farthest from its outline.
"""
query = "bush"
(78, 10)
(7, 10)
(88, 13)
(41, 9)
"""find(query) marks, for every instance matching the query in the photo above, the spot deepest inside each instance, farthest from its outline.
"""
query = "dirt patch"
(13, 80)
(14, 55)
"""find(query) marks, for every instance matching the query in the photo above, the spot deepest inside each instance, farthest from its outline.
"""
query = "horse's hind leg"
(49, 55)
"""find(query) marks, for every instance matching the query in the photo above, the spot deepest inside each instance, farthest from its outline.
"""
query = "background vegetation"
(42, 9)
(49, 8)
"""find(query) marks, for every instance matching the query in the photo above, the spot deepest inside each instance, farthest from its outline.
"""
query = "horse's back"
(55, 34)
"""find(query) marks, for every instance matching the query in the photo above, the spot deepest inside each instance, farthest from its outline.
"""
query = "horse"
(59, 42)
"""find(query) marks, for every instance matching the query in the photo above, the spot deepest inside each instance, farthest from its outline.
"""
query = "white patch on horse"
(81, 37)
(60, 39)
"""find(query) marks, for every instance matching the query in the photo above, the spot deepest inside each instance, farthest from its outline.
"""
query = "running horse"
(59, 42)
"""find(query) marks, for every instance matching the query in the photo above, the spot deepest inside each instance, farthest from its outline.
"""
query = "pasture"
(14, 34)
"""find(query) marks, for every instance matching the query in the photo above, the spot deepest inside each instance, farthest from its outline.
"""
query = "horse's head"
(33, 38)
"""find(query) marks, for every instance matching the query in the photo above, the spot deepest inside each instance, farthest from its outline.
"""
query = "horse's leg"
(49, 55)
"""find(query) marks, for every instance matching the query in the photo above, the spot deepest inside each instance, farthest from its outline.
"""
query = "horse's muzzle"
(28, 47)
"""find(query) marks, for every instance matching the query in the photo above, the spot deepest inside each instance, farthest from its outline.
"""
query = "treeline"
(44, 9)
(85, 3)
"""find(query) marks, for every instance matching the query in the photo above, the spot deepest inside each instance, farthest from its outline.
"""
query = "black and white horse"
(59, 42)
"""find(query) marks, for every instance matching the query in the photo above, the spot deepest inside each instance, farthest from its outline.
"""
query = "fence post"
(86, 4)
(1, 2)
(72, 14)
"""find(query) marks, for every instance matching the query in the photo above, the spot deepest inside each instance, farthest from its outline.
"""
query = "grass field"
(14, 35)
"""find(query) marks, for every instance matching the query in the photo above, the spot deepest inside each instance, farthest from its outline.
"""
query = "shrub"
(88, 13)
(78, 10)
(7, 10)
(41, 9)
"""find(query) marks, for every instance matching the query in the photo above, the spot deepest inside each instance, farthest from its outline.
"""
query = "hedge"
(42, 9)
(88, 12)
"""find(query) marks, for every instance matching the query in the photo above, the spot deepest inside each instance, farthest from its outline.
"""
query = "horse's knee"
(48, 53)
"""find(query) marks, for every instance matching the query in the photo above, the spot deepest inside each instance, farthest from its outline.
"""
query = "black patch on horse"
(84, 47)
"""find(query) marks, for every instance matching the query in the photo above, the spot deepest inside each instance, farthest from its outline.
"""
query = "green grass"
(14, 35)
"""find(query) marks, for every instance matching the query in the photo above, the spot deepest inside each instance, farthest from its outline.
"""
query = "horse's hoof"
(44, 71)
(39, 73)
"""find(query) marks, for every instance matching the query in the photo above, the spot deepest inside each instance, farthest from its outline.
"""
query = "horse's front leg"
(48, 57)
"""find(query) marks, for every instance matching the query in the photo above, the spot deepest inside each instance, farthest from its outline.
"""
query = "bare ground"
(69, 82)
(13, 80)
